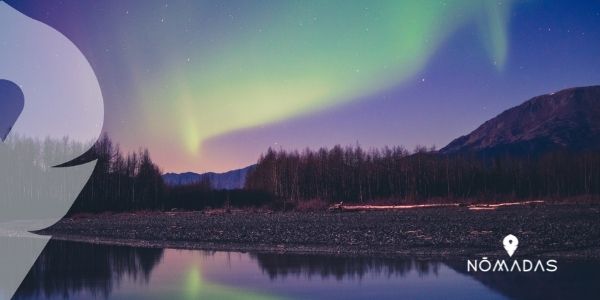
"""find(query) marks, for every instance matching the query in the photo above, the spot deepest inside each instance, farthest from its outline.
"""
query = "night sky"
(209, 85)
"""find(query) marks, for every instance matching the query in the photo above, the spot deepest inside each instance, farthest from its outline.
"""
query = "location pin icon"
(510, 244)
(12, 102)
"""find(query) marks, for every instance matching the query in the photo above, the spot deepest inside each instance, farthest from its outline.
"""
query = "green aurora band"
(306, 56)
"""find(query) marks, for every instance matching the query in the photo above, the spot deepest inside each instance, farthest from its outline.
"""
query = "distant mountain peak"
(234, 179)
(568, 119)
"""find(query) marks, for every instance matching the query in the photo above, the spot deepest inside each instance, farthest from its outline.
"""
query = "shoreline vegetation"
(315, 180)
(566, 231)
(347, 201)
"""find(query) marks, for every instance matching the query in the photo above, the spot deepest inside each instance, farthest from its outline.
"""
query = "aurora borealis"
(209, 85)
(307, 57)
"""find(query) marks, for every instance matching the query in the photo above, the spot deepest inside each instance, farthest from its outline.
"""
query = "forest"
(287, 179)
(352, 174)
(133, 182)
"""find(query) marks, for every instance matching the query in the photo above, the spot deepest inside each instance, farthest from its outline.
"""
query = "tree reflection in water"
(68, 269)
(340, 268)
(64, 269)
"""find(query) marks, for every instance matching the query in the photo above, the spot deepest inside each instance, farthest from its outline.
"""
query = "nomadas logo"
(511, 243)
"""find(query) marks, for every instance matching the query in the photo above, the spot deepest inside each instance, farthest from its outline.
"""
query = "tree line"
(129, 182)
(354, 175)
(133, 182)
(121, 182)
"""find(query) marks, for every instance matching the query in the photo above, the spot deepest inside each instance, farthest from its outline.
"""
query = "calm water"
(69, 270)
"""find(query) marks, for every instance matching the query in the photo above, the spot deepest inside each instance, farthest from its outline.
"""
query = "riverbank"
(549, 230)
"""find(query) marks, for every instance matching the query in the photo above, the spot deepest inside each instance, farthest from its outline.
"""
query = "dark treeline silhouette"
(133, 182)
(121, 182)
(130, 182)
(201, 195)
(354, 175)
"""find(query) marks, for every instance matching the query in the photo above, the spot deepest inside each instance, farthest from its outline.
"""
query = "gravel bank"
(568, 231)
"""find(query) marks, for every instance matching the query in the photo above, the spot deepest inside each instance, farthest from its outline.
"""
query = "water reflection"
(69, 270)
(574, 280)
(340, 268)
(65, 269)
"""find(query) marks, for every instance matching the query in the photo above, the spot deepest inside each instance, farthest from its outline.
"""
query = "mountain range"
(567, 120)
(230, 180)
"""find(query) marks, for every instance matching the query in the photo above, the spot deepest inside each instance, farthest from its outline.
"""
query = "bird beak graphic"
(51, 112)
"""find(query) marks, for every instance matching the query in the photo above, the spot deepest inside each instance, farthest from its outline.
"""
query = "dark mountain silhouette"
(568, 119)
(234, 179)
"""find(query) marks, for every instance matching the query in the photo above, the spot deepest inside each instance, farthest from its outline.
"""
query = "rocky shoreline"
(549, 230)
